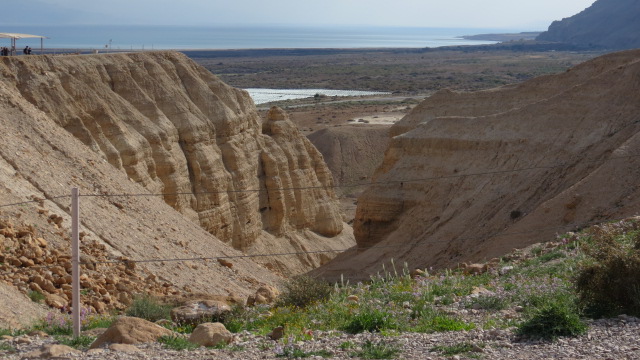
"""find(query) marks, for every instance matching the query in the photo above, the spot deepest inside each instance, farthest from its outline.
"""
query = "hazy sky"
(509, 14)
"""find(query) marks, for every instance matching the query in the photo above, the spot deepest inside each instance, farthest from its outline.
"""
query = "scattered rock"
(416, 273)
(276, 333)
(51, 351)
(505, 270)
(264, 295)
(210, 334)
(474, 268)
(124, 348)
(225, 263)
(130, 330)
(200, 311)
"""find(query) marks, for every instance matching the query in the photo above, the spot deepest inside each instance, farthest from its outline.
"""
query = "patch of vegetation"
(7, 347)
(82, 342)
(381, 350)
(347, 345)
(149, 308)
(13, 332)
(439, 322)
(301, 291)
(61, 322)
(372, 320)
(176, 343)
(36, 296)
(608, 283)
(294, 352)
(553, 321)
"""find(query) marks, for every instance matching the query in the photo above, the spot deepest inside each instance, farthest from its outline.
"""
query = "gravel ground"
(606, 339)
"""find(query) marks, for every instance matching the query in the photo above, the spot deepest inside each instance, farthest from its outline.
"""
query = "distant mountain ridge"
(609, 24)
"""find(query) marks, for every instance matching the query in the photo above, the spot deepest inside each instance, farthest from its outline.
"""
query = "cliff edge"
(176, 129)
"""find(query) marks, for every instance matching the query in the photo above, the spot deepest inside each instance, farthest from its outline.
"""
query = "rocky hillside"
(176, 129)
(152, 123)
(470, 176)
(608, 24)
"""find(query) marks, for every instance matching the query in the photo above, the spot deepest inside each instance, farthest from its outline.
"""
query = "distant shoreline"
(522, 36)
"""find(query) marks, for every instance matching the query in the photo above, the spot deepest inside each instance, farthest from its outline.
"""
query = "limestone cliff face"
(470, 176)
(178, 130)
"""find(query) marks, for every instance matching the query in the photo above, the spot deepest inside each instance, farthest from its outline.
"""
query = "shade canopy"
(16, 36)
(20, 36)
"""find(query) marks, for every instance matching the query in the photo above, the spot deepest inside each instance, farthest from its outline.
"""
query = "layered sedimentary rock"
(177, 130)
(352, 153)
(39, 164)
(470, 176)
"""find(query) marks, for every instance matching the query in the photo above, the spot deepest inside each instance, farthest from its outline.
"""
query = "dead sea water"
(200, 37)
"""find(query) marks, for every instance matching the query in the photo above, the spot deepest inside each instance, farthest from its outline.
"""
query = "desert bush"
(607, 282)
(431, 321)
(301, 291)
(178, 343)
(552, 321)
(82, 342)
(370, 319)
(149, 308)
(36, 296)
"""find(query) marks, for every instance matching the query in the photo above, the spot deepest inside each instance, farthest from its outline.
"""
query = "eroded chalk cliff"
(470, 176)
(177, 130)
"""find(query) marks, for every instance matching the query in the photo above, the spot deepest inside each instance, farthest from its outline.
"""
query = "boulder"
(475, 268)
(225, 263)
(124, 348)
(210, 334)
(264, 295)
(51, 351)
(269, 293)
(130, 330)
(277, 333)
(200, 311)
(55, 301)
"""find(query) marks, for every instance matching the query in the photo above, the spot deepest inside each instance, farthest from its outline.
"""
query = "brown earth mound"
(471, 176)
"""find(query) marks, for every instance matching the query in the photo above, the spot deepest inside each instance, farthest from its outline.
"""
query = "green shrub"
(369, 319)
(608, 283)
(441, 323)
(176, 343)
(149, 308)
(82, 342)
(301, 291)
(552, 321)
(36, 296)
